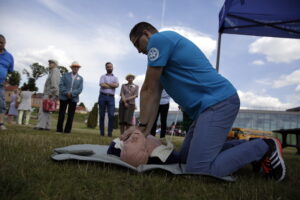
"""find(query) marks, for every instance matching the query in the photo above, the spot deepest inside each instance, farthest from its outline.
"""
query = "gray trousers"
(44, 118)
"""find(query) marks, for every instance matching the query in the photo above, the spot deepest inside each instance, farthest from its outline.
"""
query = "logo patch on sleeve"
(153, 54)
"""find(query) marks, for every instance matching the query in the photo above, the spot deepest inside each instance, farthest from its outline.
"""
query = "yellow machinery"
(246, 134)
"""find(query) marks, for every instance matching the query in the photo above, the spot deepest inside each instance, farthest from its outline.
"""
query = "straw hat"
(75, 64)
(53, 61)
(130, 75)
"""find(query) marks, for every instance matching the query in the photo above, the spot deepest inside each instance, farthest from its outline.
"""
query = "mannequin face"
(134, 150)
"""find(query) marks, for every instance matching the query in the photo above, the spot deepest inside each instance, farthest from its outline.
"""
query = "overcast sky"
(264, 70)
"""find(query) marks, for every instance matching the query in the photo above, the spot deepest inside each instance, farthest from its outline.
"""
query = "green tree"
(63, 70)
(93, 117)
(81, 104)
(116, 122)
(37, 71)
(30, 85)
(14, 78)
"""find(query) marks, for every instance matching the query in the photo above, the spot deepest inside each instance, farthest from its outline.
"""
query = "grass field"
(27, 172)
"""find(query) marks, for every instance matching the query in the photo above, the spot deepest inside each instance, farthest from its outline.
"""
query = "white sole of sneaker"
(281, 161)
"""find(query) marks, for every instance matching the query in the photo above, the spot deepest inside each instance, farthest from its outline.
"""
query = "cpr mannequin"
(135, 149)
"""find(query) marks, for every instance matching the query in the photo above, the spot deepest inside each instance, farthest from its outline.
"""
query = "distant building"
(36, 100)
(297, 109)
(9, 90)
(265, 120)
(81, 109)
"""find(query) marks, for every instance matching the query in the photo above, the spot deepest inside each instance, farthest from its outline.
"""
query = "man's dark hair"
(2, 36)
(108, 63)
(138, 29)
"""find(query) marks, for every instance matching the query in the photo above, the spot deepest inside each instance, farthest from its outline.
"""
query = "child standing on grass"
(25, 106)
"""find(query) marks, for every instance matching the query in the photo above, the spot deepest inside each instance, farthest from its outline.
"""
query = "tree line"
(36, 71)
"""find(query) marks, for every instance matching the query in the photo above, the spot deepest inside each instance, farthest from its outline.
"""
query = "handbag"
(49, 105)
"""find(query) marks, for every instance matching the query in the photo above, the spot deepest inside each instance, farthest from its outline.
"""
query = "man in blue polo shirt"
(180, 67)
(6, 65)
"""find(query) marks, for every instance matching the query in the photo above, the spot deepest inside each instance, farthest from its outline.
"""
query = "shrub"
(93, 117)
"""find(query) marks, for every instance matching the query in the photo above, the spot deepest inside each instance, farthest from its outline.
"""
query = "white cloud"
(204, 42)
(130, 15)
(258, 62)
(62, 11)
(139, 80)
(286, 80)
(297, 88)
(91, 51)
(277, 49)
(253, 101)
(266, 81)
(29, 56)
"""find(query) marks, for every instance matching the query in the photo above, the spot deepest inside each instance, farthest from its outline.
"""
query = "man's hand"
(105, 85)
(126, 134)
(113, 85)
(143, 130)
(69, 95)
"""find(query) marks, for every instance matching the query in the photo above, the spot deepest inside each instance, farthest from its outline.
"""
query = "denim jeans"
(205, 149)
(106, 103)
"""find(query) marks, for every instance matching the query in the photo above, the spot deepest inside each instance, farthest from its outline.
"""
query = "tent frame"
(258, 23)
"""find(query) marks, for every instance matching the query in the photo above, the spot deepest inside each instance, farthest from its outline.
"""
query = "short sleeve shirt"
(108, 78)
(129, 90)
(6, 65)
(187, 76)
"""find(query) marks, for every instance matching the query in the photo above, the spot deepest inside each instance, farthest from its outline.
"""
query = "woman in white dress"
(25, 106)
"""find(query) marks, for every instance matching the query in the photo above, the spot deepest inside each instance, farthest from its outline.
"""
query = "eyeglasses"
(136, 42)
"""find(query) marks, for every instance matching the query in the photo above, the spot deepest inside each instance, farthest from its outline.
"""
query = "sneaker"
(2, 127)
(273, 164)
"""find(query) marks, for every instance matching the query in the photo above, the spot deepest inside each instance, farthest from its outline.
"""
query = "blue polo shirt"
(188, 77)
(6, 65)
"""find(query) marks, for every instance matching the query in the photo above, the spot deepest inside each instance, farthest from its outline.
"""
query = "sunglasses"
(136, 42)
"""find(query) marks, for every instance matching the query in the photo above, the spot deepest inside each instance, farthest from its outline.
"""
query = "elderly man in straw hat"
(129, 92)
(70, 87)
(50, 92)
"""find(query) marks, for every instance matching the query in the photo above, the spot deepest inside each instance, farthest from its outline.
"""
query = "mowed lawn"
(27, 172)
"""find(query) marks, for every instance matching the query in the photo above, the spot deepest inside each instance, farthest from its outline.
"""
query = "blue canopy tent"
(273, 18)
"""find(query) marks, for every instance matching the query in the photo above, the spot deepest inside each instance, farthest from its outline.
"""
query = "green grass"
(27, 172)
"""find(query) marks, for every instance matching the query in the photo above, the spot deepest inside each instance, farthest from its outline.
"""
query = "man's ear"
(147, 33)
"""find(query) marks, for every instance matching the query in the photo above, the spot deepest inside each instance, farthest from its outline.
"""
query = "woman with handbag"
(51, 90)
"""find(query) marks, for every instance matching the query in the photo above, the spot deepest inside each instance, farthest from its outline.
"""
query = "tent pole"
(218, 51)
